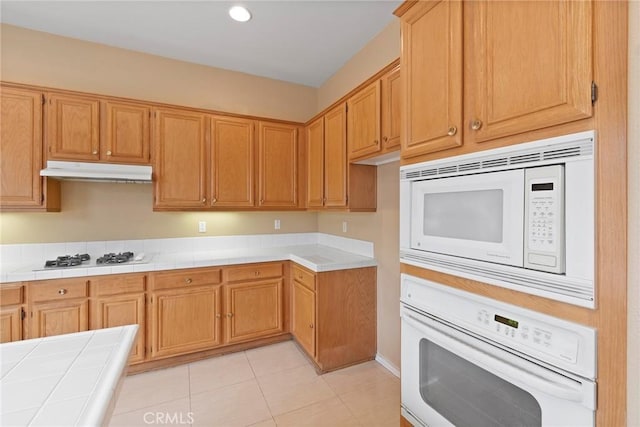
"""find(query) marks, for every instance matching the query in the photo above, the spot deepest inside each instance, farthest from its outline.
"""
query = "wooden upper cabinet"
(232, 162)
(390, 109)
(73, 127)
(431, 63)
(364, 121)
(180, 161)
(315, 163)
(126, 133)
(529, 66)
(20, 148)
(335, 157)
(278, 165)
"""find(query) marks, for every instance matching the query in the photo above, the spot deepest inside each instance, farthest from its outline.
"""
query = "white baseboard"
(388, 365)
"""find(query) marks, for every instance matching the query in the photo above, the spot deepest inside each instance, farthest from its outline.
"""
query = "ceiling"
(301, 41)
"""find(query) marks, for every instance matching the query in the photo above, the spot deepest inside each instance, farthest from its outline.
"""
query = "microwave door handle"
(564, 389)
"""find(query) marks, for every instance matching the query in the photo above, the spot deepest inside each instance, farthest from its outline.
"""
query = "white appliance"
(472, 361)
(521, 217)
(108, 172)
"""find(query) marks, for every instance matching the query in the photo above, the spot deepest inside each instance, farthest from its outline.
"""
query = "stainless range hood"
(106, 172)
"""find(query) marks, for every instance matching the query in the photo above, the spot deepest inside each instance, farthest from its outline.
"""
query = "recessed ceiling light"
(239, 13)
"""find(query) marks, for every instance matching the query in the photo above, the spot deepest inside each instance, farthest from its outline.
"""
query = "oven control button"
(536, 340)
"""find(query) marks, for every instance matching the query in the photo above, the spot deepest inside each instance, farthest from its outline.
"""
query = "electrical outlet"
(344, 226)
(202, 226)
(276, 224)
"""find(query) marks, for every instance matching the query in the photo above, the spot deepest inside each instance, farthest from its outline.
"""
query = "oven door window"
(468, 395)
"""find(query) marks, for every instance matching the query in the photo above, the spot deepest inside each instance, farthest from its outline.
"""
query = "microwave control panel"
(544, 218)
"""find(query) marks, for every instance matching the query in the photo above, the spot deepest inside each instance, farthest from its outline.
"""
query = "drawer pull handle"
(229, 315)
(189, 280)
(62, 291)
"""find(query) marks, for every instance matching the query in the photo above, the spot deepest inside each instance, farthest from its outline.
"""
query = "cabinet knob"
(214, 200)
(62, 291)
(229, 315)
(376, 142)
(188, 280)
(452, 130)
(261, 201)
(109, 153)
(311, 325)
(94, 152)
(204, 200)
(257, 273)
(385, 139)
(476, 124)
(218, 316)
(300, 277)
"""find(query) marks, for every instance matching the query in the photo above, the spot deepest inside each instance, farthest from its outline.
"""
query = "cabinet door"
(20, 148)
(390, 109)
(431, 63)
(126, 133)
(335, 157)
(185, 320)
(63, 317)
(363, 127)
(253, 310)
(232, 159)
(315, 163)
(529, 66)
(10, 324)
(73, 127)
(122, 310)
(304, 317)
(180, 159)
(278, 165)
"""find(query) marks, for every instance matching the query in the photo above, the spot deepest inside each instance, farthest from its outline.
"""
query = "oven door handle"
(562, 388)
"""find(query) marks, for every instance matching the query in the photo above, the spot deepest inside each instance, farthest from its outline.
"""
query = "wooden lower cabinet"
(304, 317)
(118, 301)
(11, 312)
(184, 311)
(58, 307)
(57, 318)
(253, 310)
(344, 307)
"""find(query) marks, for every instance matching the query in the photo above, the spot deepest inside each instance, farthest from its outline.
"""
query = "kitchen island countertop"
(64, 380)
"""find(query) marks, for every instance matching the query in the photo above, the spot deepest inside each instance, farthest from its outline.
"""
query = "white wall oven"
(521, 217)
(469, 361)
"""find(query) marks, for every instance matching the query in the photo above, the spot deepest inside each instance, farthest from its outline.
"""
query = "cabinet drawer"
(304, 277)
(115, 285)
(253, 272)
(185, 278)
(58, 290)
(11, 295)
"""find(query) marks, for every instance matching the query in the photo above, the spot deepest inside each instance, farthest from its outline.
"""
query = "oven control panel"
(540, 336)
(552, 340)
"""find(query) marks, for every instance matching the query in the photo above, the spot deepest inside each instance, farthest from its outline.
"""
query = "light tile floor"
(264, 387)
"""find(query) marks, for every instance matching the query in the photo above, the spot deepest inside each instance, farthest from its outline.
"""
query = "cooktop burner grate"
(113, 258)
(67, 261)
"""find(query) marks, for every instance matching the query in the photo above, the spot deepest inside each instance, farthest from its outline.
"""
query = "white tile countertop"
(65, 380)
(318, 252)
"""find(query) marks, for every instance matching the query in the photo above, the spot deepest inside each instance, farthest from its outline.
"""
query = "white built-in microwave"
(521, 217)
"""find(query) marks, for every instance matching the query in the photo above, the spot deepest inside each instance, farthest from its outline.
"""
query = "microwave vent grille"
(447, 169)
(492, 163)
(469, 166)
(525, 156)
(562, 153)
